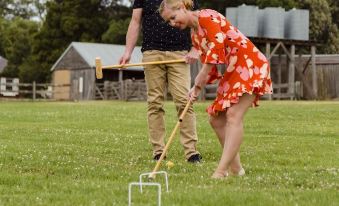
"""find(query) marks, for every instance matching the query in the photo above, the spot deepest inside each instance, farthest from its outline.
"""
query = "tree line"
(34, 33)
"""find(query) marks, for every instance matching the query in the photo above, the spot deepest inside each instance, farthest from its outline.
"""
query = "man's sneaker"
(157, 157)
(196, 158)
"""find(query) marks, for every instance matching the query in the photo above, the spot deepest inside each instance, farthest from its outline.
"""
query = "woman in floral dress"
(246, 78)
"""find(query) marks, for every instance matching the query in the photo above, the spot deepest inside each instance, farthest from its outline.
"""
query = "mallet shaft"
(123, 66)
(99, 67)
(157, 166)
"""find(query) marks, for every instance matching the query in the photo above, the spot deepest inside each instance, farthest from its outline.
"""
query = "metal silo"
(273, 22)
(231, 15)
(247, 20)
(297, 24)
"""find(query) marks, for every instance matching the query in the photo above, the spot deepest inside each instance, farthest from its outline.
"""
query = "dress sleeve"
(213, 75)
(138, 4)
(213, 39)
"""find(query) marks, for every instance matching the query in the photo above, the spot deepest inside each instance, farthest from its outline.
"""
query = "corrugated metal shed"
(109, 54)
(3, 63)
(74, 72)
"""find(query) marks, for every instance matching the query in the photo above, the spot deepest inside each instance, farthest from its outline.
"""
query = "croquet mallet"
(99, 67)
(157, 166)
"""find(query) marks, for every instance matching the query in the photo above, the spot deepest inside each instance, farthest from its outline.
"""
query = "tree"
(16, 41)
(4, 10)
(334, 5)
(2, 36)
(66, 21)
(116, 33)
(117, 10)
(40, 9)
(287, 4)
(35, 49)
(17, 8)
(219, 5)
(322, 28)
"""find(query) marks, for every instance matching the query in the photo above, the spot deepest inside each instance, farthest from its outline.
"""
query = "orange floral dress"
(247, 69)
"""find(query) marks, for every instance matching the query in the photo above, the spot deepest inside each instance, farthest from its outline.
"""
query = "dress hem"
(258, 91)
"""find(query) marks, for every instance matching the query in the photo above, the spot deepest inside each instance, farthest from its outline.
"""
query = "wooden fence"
(126, 90)
(327, 81)
(11, 88)
(327, 76)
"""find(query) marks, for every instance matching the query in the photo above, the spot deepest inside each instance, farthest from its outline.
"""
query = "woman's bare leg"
(218, 124)
(234, 133)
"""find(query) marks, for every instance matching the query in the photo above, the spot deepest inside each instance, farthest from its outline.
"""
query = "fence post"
(106, 88)
(122, 91)
(314, 72)
(291, 73)
(34, 90)
(121, 81)
(2, 85)
(75, 88)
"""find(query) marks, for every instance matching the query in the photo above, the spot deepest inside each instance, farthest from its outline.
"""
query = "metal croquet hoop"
(151, 184)
(145, 184)
(159, 172)
(151, 175)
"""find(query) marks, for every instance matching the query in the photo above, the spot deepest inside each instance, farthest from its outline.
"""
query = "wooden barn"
(73, 74)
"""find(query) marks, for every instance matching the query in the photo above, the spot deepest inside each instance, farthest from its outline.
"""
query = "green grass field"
(62, 153)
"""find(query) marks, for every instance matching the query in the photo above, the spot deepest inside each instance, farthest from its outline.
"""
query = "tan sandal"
(219, 175)
(240, 173)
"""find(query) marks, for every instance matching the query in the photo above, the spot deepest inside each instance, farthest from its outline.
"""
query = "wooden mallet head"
(98, 68)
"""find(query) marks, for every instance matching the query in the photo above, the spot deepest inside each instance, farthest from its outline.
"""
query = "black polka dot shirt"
(158, 35)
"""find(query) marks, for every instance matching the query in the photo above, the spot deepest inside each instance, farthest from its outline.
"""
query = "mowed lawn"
(86, 153)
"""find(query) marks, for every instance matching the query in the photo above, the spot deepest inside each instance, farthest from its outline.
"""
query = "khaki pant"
(178, 78)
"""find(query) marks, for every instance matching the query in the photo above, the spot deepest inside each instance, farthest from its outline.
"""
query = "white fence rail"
(12, 88)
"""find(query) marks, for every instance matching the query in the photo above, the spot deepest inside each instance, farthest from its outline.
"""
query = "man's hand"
(125, 59)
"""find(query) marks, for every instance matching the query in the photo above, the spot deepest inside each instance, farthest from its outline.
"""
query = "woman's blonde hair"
(175, 4)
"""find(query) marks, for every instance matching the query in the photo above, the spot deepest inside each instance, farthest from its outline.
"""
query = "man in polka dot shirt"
(163, 42)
